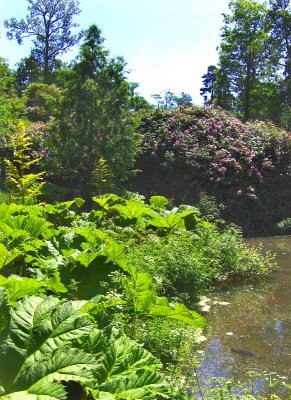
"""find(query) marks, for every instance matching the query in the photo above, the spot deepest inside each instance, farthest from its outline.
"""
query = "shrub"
(213, 146)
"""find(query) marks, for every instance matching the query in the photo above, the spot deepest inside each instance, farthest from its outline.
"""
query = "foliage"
(168, 100)
(49, 342)
(4, 197)
(285, 225)
(252, 77)
(279, 14)
(183, 252)
(244, 49)
(94, 119)
(208, 79)
(102, 178)
(24, 185)
(42, 101)
(96, 265)
(11, 107)
(210, 145)
(49, 22)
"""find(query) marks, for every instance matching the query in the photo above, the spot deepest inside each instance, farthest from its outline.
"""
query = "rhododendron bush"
(217, 147)
(190, 150)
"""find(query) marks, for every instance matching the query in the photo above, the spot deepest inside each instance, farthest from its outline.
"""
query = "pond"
(249, 326)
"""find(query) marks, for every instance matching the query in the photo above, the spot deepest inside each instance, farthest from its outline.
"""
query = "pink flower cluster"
(218, 147)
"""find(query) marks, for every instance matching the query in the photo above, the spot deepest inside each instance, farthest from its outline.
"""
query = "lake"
(249, 325)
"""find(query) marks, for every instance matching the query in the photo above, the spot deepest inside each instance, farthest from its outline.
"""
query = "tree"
(168, 100)
(279, 15)
(42, 101)
(94, 119)
(137, 101)
(208, 80)
(11, 107)
(28, 71)
(246, 57)
(49, 22)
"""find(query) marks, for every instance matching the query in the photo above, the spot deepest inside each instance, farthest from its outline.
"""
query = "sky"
(167, 44)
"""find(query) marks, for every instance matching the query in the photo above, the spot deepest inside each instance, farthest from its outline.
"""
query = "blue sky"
(167, 44)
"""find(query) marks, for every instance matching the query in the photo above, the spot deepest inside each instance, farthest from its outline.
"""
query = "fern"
(25, 187)
(102, 177)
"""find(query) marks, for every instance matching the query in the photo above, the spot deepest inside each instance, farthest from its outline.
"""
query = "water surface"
(249, 326)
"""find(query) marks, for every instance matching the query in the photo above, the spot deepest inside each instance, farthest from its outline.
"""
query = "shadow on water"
(249, 326)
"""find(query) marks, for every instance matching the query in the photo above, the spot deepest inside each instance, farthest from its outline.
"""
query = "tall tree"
(94, 118)
(208, 80)
(49, 23)
(246, 57)
(280, 17)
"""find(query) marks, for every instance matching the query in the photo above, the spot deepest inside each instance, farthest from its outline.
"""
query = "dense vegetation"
(97, 296)
(253, 76)
(81, 290)
(194, 150)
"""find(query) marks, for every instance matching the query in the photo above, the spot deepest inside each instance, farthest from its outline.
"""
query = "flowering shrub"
(215, 147)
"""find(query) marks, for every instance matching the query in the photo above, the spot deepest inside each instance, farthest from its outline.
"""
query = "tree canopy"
(49, 23)
(252, 77)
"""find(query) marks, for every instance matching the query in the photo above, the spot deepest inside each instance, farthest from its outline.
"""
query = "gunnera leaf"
(37, 355)
(4, 310)
(125, 369)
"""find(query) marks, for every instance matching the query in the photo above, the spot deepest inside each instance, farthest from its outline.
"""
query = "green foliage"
(94, 118)
(113, 265)
(279, 15)
(102, 178)
(181, 251)
(49, 23)
(252, 78)
(37, 352)
(42, 101)
(24, 185)
(167, 100)
(18, 287)
(11, 107)
(49, 342)
(208, 79)
(285, 225)
(197, 149)
(159, 202)
(208, 207)
(244, 49)
(142, 293)
(4, 197)
(214, 147)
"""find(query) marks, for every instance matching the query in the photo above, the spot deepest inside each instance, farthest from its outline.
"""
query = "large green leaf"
(4, 311)
(178, 311)
(168, 221)
(18, 287)
(159, 202)
(7, 256)
(142, 291)
(37, 351)
(125, 369)
(132, 210)
(145, 302)
(63, 213)
(33, 225)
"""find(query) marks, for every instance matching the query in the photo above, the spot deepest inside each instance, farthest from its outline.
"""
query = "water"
(249, 326)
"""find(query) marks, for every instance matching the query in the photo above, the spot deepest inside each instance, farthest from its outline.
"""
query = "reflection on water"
(253, 331)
